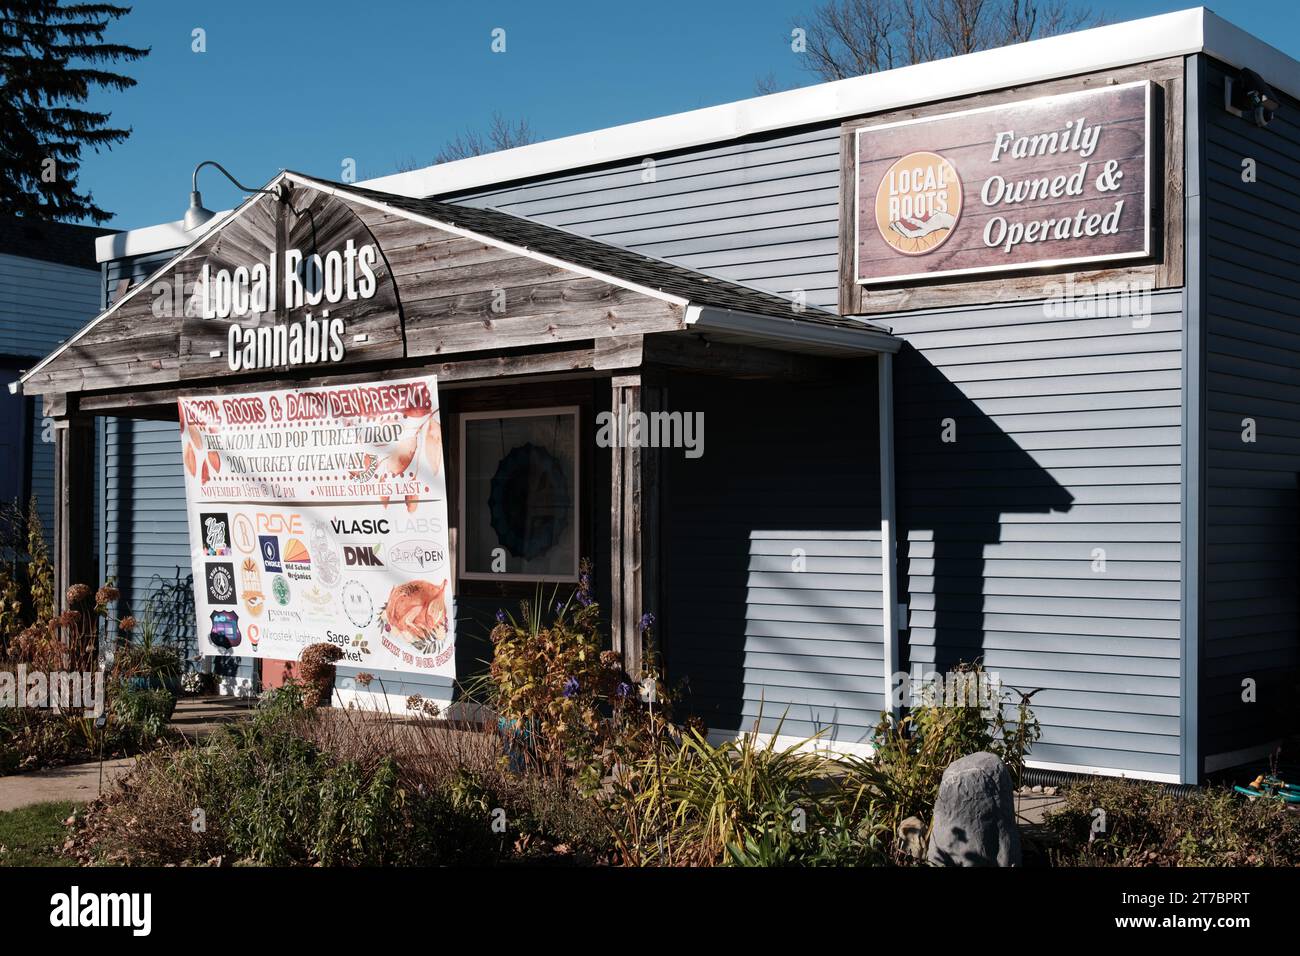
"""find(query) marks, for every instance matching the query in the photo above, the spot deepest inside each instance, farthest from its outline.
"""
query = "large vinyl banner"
(320, 514)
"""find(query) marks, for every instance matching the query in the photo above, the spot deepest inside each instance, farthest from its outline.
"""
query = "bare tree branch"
(501, 134)
(852, 37)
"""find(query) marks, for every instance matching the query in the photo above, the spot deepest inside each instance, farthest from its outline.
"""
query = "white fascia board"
(866, 340)
(1181, 33)
(1234, 46)
(140, 242)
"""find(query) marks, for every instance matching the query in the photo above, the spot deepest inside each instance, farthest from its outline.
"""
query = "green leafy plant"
(901, 777)
(147, 710)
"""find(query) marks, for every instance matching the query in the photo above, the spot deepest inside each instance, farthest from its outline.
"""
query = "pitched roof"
(616, 261)
(61, 242)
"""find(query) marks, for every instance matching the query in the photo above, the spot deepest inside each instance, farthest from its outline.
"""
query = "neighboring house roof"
(62, 242)
(1182, 33)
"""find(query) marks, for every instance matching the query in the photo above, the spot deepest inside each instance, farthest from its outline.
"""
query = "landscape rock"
(975, 816)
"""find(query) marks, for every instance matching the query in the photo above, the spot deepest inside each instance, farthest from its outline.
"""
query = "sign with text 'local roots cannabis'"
(320, 515)
(1047, 182)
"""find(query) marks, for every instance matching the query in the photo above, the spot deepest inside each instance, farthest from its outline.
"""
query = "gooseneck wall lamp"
(197, 214)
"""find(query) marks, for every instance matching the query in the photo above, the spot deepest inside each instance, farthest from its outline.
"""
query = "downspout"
(1193, 422)
(888, 524)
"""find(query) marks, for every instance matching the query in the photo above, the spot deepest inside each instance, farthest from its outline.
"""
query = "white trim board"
(836, 748)
(1196, 30)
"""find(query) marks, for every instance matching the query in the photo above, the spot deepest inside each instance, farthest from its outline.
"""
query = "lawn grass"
(33, 835)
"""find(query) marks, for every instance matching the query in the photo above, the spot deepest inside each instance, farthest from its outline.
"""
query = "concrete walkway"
(195, 718)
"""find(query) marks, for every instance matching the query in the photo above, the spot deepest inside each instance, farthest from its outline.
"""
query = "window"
(519, 495)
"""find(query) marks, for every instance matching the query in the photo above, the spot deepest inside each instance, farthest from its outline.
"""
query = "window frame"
(462, 522)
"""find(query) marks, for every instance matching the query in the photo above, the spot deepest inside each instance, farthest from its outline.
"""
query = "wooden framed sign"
(1035, 184)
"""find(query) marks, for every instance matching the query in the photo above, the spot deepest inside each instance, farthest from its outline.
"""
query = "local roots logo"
(918, 203)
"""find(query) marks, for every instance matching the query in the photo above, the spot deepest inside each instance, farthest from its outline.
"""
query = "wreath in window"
(530, 502)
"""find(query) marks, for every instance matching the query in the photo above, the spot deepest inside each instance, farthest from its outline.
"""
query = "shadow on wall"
(791, 471)
(958, 475)
(772, 556)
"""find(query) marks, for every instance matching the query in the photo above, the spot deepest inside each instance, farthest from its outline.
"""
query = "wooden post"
(74, 516)
(635, 490)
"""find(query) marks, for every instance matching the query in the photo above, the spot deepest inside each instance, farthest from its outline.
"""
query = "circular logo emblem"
(245, 537)
(280, 590)
(357, 604)
(918, 203)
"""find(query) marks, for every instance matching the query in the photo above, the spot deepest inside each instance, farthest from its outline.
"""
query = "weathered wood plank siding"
(1252, 371)
(1065, 439)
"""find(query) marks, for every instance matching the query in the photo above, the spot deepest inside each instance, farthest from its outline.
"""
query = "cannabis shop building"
(995, 357)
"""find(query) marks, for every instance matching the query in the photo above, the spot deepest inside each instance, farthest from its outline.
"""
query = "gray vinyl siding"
(41, 305)
(1067, 440)
(747, 629)
(1251, 623)
(145, 534)
(763, 211)
(1071, 440)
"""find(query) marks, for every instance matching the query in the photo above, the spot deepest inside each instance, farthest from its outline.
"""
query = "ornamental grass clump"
(745, 802)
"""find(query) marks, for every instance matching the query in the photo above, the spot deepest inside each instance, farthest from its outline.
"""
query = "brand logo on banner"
(215, 532)
(270, 546)
(325, 490)
(220, 580)
(1047, 182)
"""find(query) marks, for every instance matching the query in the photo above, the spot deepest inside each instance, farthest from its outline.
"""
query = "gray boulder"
(975, 815)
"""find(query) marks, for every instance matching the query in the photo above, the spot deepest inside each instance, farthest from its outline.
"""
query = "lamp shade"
(196, 215)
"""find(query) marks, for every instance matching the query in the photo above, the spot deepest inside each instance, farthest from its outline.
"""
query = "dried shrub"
(1128, 823)
(316, 674)
(337, 787)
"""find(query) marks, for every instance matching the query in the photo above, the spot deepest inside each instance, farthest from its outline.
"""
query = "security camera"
(1247, 95)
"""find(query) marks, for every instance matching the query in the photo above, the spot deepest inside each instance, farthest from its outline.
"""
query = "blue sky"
(306, 85)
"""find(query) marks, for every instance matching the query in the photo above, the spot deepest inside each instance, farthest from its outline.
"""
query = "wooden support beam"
(74, 485)
(497, 370)
(56, 405)
(636, 489)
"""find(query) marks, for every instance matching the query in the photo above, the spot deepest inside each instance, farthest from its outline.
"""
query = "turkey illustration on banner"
(320, 515)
